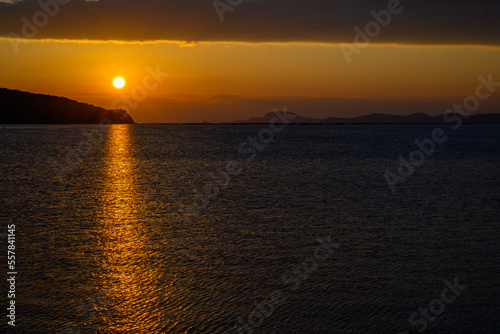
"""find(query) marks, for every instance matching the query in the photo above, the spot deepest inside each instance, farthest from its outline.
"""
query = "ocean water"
(300, 235)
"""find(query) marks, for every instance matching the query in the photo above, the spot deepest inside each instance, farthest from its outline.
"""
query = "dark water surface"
(108, 250)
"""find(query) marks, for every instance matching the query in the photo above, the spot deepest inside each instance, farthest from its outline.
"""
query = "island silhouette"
(21, 107)
(417, 118)
(28, 108)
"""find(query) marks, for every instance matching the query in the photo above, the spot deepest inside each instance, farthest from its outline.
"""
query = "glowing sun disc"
(119, 82)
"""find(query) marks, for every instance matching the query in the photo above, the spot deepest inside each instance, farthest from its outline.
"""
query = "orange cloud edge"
(194, 43)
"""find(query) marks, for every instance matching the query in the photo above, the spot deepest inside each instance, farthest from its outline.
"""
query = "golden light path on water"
(129, 277)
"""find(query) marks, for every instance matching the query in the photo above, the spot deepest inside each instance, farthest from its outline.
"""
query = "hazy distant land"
(418, 118)
(27, 108)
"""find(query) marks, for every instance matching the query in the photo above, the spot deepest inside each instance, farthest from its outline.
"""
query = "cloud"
(326, 21)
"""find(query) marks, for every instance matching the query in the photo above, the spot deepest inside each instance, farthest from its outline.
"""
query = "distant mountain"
(27, 108)
(418, 118)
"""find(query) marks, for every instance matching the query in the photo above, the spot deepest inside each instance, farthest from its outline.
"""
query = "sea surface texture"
(238, 229)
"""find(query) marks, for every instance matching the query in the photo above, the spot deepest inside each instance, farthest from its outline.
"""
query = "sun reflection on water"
(128, 277)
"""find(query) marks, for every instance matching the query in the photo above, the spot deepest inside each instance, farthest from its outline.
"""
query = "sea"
(219, 228)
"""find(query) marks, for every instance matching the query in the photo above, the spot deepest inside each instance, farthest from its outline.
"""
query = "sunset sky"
(265, 54)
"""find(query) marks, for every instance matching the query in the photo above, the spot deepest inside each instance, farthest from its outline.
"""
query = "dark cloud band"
(420, 22)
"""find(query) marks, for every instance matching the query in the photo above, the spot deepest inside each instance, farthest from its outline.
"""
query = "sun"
(119, 82)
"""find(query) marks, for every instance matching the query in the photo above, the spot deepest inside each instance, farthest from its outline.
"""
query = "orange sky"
(229, 81)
